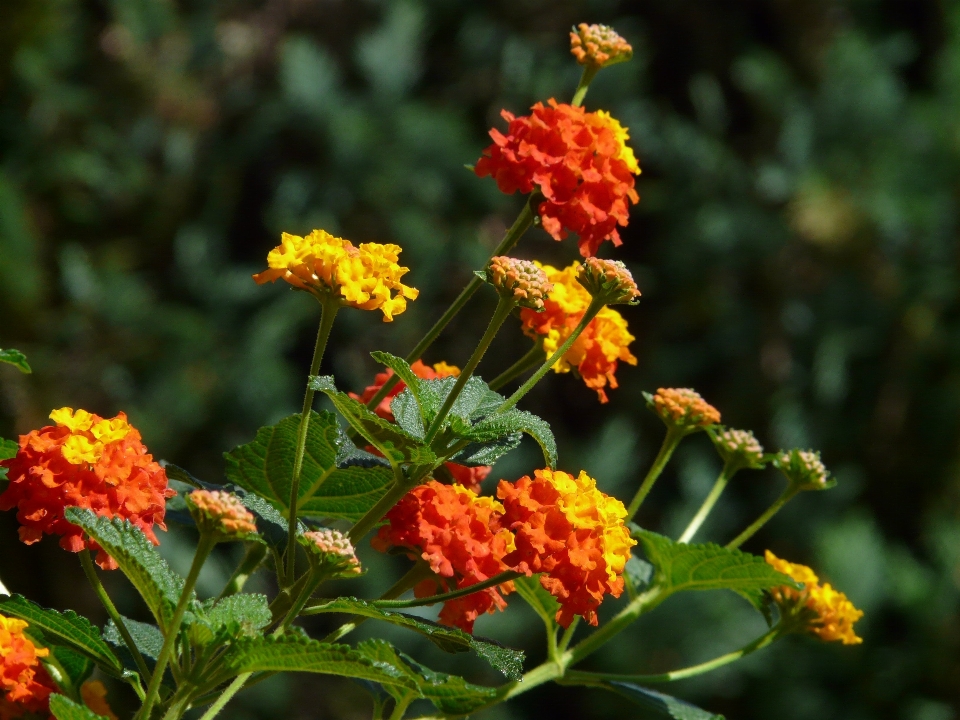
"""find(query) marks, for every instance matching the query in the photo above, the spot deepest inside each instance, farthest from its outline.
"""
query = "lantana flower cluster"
(85, 461)
(25, 685)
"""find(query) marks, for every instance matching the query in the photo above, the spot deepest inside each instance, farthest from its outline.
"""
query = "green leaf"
(681, 567)
(139, 560)
(240, 615)
(662, 704)
(15, 358)
(513, 421)
(543, 603)
(407, 414)
(638, 573)
(63, 708)
(147, 638)
(66, 627)
(487, 453)
(298, 654)
(265, 467)
(8, 448)
(424, 395)
(68, 668)
(449, 639)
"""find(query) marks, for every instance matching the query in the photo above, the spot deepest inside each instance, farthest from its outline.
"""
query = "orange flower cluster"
(94, 696)
(580, 162)
(25, 686)
(460, 535)
(469, 477)
(684, 408)
(89, 462)
(572, 533)
(824, 612)
(603, 343)
(599, 46)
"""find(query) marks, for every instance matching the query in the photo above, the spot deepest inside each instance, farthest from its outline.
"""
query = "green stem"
(635, 608)
(225, 697)
(170, 640)
(374, 514)
(252, 559)
(527, 362)
(708, 503)
(577, 677)
(504, 308)
(520, 226)
(400, 708)
(178, 704)
(591, 312)
(784, 498)
(315, 578)
(503, 577)
(330, 305)
(589, 72)
(87, 562)
(541, 674)
(568, 635)
(670, 443)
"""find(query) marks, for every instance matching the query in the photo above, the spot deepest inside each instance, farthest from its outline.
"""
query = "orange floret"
(683, 408)
(604, 342)
(88, 462)
(461, 537)
(572, 533)
(598, 46)
(580, 162)
(25, 686)
(221, 513)
(819, 609)
(94, 696)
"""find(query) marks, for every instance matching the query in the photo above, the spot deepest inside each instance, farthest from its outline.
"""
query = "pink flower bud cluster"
(522, 280)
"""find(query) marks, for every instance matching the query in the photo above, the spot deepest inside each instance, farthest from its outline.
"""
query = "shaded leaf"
(407, 414)
(236, 615)
(68, 668)
(63, 708)
(662, 704)
(8, 448)
(513, 421)
(15, 358)
(146, 637)
(542, 602)
(487, 453)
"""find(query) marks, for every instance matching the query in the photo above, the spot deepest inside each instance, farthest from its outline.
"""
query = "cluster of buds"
(519, 280)
(331, 553)
(739, 449)
(804, 469)
(683, 409)
(598, 46)
(608, 280)
(221, 514)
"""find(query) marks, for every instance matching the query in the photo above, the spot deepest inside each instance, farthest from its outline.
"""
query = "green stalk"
(644, 602)
(568, 635)
(374, 514)
(178, 705)
(251, 560)
(231, 690)
(592, 310)
(520, 226)
(330, 306)
(87, 562)
(784, 498)
(401, 707)
(503, 577)
(670, 443)
(527, 362)
(504, 307)
(170, 640)
(711, 500)
(589, 73)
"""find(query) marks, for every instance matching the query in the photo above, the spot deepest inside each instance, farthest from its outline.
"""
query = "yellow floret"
(108, 431)
(78, 449)
(621, 134)
(75, 421)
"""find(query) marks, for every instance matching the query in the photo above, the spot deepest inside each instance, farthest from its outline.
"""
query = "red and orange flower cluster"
(89, 462)
(578, 160)
(25, 686)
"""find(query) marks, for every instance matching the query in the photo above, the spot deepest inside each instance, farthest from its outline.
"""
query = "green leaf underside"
(15, 358)
(147, 638)
(73, 630)
(512, 421)
(542, 602)
(664, 705)
(68, 668)
(139, 560)
(234, 616)
(63, 708)
(265, 467)
(449, 639)
(683, 567)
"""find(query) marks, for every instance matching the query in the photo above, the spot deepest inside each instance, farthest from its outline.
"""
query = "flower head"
(609, 280)
(683, 409)
(94, 696)
(804, 469)
(521, 280)
(89, 462)
(460, 536)
(817, 609)
(364, 277)
(598, 46)
(25, 686)
(222, 514)
(579, 161)
(573, 533)
(604, 342)
(332, 551)
(739, 448)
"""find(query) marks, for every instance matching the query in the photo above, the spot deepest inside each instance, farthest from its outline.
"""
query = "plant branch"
(589, 73)
(251, 560)
(721, 482)
(225, 697)
(670, 442)
(381, 508)
(503, 577)
(525, 363)
(784, 498)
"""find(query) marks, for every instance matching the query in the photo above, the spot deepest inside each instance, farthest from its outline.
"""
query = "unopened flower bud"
(683, 409)
(609, 280)
(222, 514)
(331, 551)
(521, 280)
(804, 469)
(738, 448)
(598, 46)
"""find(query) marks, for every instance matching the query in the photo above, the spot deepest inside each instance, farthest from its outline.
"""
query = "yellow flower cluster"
(364, 277)
(831, 614)
(79, 448)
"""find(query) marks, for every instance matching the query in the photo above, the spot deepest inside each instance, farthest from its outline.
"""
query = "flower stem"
(784, 498)
(520, 226)
(374, 514)
(527, 362)
(248, 565)
(589, 73)
(87, 562)
(504, 308)
(568, 635)
(670, 442)
(644, 602)
(225, 697)
(170, 640)
(708, 503)
(591, 312)
(499, 579)
(330, 305)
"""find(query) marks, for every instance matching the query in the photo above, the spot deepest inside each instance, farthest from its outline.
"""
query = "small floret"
(804, 469)
(222, 514)
(598, 46)
(610, 280)
(738, 448)
(331, 552)
(683, 409)
(521, 280)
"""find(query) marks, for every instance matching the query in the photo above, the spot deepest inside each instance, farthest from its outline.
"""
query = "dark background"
(796, 244)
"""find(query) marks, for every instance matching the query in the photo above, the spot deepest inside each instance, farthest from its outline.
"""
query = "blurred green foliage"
(796, 244)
